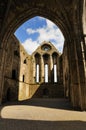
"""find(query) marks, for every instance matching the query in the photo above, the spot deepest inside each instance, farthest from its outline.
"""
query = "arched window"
(37, 73)
(13, 74)
(46, 73)
(46, 67)
(55, 73)
(55, 55)
(25, 61)
(37, 69)
(23, 78)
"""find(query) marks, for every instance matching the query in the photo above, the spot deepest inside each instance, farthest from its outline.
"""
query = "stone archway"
(19, 13)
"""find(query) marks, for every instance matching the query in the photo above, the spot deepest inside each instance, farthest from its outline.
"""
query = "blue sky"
(36, 30)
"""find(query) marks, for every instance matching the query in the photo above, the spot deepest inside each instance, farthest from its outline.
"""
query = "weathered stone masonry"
(70, 17)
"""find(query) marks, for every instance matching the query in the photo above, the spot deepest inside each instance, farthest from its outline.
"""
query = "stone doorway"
(45, 93)
(8, 94)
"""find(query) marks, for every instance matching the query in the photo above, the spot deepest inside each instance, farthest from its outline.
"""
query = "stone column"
(82, 73)
(51, 68)
(84, 26)
(34, 69)
(2, 68)
(51, 62)
(77, 84)
(84, 16)
(75, 93)
(83, 57)
(42, 69)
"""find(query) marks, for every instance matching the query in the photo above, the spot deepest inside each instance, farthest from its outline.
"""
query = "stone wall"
(20, 73)
(65, 72)
(24, 92)
(50, 62)
(46, 90)
(16, 72)
(11, 70)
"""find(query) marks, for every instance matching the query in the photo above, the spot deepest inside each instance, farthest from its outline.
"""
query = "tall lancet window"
(37, 69)
(46, 67)
(55, 73)
(55, 67)
(37, 73)
(46, 73)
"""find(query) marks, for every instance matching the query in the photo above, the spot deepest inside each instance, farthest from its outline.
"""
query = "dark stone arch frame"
(56, 18)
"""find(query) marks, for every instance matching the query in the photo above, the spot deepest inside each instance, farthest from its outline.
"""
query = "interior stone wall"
(16, 59)
(66, 72)
(67, 14)
(12, 62)
(23, 85)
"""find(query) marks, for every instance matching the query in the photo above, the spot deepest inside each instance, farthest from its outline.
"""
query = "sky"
(36, 30)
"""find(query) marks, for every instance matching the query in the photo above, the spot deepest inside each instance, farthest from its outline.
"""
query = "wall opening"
(13, 74)
(55, 73)
(8, 94)
(36, 30)
(25, 61)
(23, 78)
(31, 35)
(37, 73)
(45, 92)
(46, 73)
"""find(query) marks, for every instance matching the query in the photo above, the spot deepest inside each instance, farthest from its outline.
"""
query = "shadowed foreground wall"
(70, 17)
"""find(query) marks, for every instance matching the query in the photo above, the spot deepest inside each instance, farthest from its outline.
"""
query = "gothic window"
(16, 53)
(37, 68)
(46, 47)
(25, 61)
(23, 78)
(55, 73)
(46, 73)
(37, 73)
(13, 74)
(54, 56)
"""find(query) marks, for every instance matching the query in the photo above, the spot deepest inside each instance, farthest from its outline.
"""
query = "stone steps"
(50, 91)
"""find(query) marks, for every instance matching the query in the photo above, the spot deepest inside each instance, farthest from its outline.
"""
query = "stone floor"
(41, 114)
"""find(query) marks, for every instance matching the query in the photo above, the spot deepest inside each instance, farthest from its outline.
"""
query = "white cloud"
(46, 33)
(30, 31)
(50, 24)
(30, 46)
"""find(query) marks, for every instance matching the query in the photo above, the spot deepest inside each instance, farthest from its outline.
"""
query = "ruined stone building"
(36, 75)
(22, 76)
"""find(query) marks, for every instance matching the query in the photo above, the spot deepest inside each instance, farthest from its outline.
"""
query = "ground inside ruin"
(41, 114)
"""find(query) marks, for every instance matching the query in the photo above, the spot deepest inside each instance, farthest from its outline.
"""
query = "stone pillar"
(84, 26)
(58, 68)
(75, 92)
(42, 69)
(84, 16)
(82, 73)
(77, 84)
(34, 70)
(83, 44)
(51, 68)
(51, 62)
(82, 58)
(2, 65)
